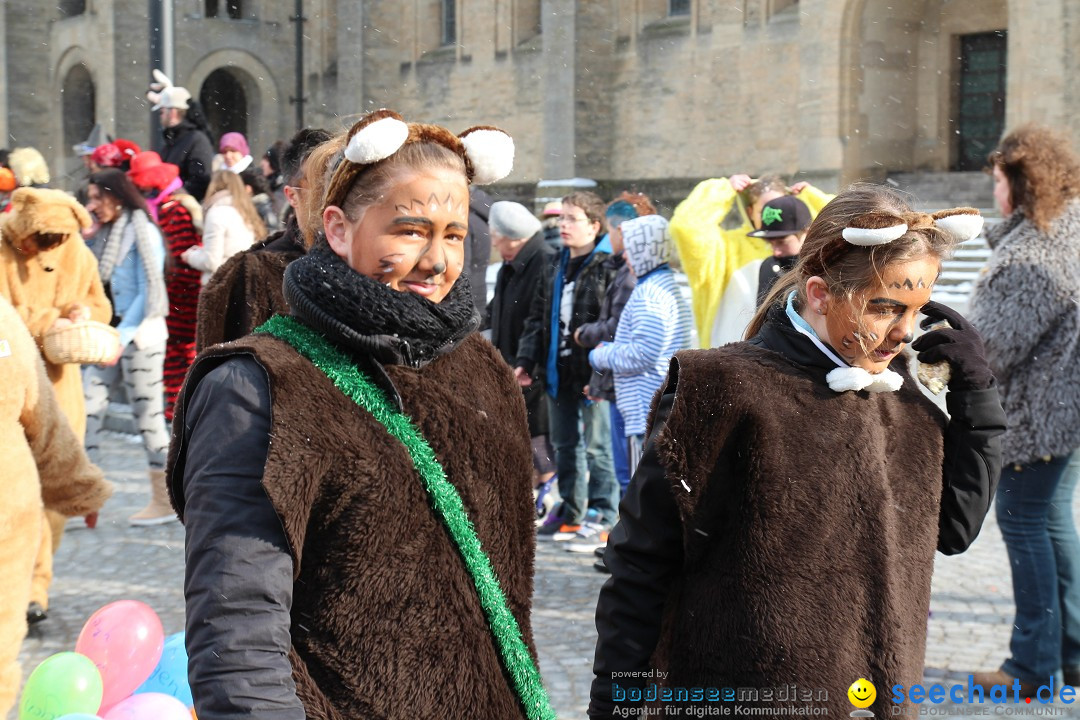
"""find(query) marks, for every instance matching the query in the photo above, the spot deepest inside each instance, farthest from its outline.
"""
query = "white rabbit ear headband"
(962, 224)
(488, 152)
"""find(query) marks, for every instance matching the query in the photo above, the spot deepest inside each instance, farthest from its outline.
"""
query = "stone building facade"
(657, 93)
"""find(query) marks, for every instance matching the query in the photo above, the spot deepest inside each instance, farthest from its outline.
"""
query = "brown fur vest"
(386, 622)
(810, 523)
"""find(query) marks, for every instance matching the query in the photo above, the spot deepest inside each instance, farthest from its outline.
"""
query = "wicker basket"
(85, 342)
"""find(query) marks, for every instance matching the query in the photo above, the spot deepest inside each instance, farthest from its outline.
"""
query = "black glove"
(959, 345)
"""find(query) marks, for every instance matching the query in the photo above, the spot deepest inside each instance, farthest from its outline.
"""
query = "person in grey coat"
(1027, 307)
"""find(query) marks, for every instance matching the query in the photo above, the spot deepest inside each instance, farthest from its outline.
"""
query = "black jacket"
(478, 245)
(518, 283)
(590, 286)
(188, 147)
(770, 271)
(645, 549)
(602, 384)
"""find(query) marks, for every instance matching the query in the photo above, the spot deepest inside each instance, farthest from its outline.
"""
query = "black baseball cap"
(783, 216)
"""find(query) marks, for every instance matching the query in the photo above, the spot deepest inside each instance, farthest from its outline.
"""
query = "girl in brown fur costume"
(356, 544)
(781, 527)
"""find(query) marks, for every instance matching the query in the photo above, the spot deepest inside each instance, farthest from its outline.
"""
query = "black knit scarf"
(369, 318)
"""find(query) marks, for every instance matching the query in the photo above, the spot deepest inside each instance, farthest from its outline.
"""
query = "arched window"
(678, 7)
(225, 103)
(71, 8)
(232, 9)
(77, 103)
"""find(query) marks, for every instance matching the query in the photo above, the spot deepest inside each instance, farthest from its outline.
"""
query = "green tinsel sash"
(442, 495)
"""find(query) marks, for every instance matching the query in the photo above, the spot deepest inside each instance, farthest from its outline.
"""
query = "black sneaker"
(599, 552)
(35, 613)
(601, 567)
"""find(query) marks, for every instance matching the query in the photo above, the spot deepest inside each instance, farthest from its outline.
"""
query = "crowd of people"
(314, 338)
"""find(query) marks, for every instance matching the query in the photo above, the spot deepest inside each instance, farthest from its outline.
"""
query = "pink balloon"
(124, 639)
(149, 706)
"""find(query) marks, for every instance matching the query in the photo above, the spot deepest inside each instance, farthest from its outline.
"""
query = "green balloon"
(63, 684)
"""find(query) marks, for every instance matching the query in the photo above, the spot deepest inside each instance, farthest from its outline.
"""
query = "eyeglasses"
(572, 219)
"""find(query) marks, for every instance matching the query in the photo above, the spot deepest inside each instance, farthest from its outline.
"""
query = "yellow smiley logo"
(862, 693)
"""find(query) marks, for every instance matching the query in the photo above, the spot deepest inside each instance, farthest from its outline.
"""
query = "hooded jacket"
(654, 325)
(1026, 306)
(45, 286)
(796, 545)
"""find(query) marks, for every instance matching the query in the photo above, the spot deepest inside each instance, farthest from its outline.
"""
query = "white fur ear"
(866, 237)
(491, 153)
(377, 141)
(962, 227)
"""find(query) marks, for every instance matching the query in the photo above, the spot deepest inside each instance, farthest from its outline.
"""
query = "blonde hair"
(318, 169)
(230, 182)
(848, 269)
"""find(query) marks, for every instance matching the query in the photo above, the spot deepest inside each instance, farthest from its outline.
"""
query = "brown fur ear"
(954, 211)
(876, 221)
(371, 117)
(419, 132)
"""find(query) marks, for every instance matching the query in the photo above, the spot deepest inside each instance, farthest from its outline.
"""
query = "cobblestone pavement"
(969, 628)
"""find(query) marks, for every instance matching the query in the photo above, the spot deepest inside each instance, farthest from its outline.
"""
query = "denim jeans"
(1034, 512)
(619, 450)
(581, 434)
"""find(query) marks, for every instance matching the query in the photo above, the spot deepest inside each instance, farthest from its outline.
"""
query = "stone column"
(351, 92)
(558, 24)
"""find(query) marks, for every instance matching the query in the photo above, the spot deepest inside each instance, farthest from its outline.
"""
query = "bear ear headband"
(962, 224)
(488, 152)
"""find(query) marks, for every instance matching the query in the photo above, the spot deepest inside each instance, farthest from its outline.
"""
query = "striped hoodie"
(655, 323)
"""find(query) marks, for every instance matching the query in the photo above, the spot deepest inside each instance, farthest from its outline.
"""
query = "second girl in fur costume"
(782, 525)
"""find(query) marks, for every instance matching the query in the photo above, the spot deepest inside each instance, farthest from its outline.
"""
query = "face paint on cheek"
(854, 341)
(388, 263)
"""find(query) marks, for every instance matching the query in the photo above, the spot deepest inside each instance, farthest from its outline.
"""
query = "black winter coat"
(591, 283)
(518, 283)
(188, 147)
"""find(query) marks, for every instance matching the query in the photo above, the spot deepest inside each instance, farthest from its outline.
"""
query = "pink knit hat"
(234, 141)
